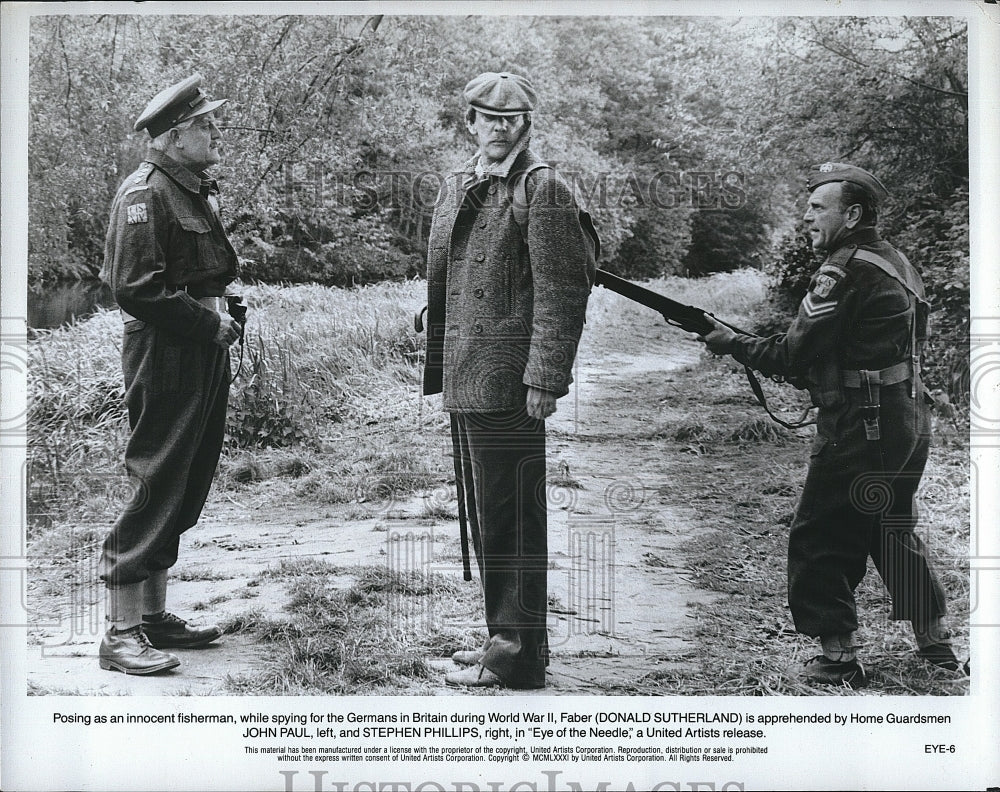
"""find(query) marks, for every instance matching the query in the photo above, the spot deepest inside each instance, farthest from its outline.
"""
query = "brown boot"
(130, 652)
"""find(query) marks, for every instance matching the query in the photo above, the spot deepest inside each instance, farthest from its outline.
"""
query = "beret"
(841, 172)
(171, 106)
(500, 93)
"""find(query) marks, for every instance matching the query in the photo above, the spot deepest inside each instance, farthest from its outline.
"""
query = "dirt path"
(621, 604)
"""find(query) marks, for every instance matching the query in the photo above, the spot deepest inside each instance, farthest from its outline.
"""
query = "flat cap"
(841, 172)
(175, 104)
(501, 93)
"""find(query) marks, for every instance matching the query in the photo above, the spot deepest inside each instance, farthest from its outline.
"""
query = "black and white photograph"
(499, 396)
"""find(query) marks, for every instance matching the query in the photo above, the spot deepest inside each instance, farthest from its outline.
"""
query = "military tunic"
(858, 499)
(165, 249)
(505, 313)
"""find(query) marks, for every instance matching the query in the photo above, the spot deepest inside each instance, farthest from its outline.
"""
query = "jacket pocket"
(198, 243)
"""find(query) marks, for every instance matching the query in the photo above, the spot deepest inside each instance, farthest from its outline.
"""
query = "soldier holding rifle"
(856, 340)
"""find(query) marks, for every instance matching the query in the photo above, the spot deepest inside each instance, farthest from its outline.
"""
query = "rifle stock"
(687, 317)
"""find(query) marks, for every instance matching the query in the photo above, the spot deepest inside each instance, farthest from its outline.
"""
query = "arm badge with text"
(136, 213)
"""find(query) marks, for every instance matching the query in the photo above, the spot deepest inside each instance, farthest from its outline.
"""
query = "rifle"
(692, 320)
(686, 317)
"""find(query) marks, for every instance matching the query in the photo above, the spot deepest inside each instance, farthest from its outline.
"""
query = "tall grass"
(325, 372)
(76, 419)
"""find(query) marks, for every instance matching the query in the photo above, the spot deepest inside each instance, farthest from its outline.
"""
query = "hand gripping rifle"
(691, 319)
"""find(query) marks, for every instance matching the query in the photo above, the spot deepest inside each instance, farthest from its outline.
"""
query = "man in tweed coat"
(506, 307)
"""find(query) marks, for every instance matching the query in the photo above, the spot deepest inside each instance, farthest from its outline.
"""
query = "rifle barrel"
(687, 317)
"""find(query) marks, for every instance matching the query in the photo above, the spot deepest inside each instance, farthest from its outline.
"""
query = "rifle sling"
(759, 393)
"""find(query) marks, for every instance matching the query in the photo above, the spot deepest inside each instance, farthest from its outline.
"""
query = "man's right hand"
(228, 333)
(720, 340)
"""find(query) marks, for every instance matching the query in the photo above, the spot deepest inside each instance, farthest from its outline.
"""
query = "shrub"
(723, 240)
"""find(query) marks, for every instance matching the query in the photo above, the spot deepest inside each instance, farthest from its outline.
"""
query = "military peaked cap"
(500, 93)
(841, 172)
(175, 104)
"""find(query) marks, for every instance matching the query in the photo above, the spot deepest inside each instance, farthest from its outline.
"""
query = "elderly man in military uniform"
(168, 262)
(507, 294)
(856, 341)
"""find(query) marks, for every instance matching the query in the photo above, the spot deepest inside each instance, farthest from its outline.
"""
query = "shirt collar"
(476, 170)
(185, 178)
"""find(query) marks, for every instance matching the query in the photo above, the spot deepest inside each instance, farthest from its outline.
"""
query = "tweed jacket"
(503, 312)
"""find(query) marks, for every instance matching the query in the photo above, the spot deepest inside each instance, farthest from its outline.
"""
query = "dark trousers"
(176, 394)
(858, 501)
(502, 459)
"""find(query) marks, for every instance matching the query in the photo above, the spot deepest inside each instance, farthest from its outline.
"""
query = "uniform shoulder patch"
(823, 285)
(826, 280)
(136, 213)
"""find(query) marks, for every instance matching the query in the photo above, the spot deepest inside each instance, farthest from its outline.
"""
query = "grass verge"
(372, 636)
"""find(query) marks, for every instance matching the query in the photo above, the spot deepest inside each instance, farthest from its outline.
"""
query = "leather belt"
(217, 304)
(900, 372)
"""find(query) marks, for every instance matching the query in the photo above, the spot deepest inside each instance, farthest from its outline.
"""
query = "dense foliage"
(687, 137)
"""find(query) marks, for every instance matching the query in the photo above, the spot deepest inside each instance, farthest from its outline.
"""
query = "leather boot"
(934, 646)
(474, 676)
(824, 671)
(467, 657)
(130, 652)
(167, 631)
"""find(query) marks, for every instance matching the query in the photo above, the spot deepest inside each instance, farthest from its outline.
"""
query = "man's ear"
(175, 138)
(853, 215)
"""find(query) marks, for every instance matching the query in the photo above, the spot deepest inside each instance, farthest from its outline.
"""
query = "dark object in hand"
(238, 310)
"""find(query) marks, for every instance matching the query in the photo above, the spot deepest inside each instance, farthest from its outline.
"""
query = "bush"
(268, 407)
(935, 238)
(656, 246)
(331, 248)
(723, 240)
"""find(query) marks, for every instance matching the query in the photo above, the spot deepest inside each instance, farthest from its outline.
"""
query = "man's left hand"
(720, 340)
(540, 403)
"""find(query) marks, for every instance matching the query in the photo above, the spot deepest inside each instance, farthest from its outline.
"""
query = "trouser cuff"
(154, 592)
(124, 606)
